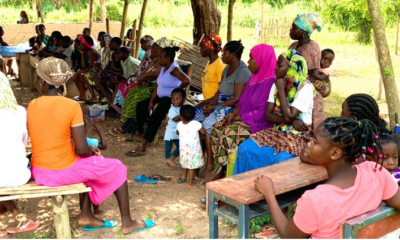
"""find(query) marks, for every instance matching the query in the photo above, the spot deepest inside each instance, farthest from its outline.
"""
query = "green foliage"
(32, 235)
(121, 235)
(257, 224)
(148, 216)
(178, 228)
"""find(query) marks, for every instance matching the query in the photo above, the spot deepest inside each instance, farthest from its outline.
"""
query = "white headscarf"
(54, 71)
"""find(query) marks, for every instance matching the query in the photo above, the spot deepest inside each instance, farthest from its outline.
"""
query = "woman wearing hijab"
(249, 114)
(14, 169)
(24, 17)
(291, 97)
(147, 43)
(53, 121)
(302, 28)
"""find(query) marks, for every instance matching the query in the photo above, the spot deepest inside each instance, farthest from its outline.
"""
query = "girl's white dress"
(190, 153)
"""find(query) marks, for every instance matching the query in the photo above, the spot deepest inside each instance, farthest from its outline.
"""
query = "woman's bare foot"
(191, 186)
(206, 172)
(82, 97)
(139, 137)
(11, 207)
(90, 221)
(3, 209)
(132, 226)
(94, 100)
(98, 212)
(171, 163)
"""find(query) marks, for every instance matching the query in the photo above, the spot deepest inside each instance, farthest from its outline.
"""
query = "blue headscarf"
(309, 22)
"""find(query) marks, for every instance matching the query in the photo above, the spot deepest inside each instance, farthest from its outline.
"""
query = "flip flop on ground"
(134, 153)
(107, 224)
(24, 226)
(149, 224)
(144, 179)
(159, 177)
(180, 180)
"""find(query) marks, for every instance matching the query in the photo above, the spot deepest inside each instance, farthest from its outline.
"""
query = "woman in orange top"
(57, 132)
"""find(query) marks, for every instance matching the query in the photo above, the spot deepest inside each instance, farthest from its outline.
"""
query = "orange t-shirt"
(50, 119)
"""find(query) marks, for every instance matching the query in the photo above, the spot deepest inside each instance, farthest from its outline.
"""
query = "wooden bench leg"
(244, 221)
(212, 217)
(61, 217)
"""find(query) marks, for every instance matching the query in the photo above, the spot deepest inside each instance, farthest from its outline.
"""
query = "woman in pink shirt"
(351, 190)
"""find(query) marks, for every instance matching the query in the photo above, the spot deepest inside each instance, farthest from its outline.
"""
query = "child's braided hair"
(356, 138)
(363, 106)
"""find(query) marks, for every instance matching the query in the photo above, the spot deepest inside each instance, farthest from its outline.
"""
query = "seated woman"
(83, 77)
(57, 160)
(171, 77)
(24, 18)
(234, 79)
(5, 44)
(124, 88)
(291, 97)
(212, 75)
(249, 114)
(145, 84)
(14, 170)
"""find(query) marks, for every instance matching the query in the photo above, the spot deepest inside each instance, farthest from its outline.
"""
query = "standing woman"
(234, 79)
(209, 48)
(302, 28)
(249, 114)
(14, 169)
(171, 77)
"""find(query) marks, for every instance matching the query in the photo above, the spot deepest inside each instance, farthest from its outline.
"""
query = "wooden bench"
(243, 202)
(371, 225)
(24, 70)
(59, 202)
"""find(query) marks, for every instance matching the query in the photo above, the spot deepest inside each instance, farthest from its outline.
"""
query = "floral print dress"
(190, 153)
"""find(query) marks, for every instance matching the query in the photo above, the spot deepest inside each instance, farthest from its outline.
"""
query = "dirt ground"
(175, 209)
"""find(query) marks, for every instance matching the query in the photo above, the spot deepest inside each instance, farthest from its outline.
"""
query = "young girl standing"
(351, 190)
(191, 155)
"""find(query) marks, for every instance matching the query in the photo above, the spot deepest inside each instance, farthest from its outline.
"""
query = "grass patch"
(32, 235)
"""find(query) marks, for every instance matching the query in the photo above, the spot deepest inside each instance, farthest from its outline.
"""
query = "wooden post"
(34, 20)
(108, 26)
(40, 10)
(140, 28)
(397, 32)
(61, 217)
(134, 40)
(230, 19)
(103, 11)
(90, 14)
(121, 35)
(262, 22)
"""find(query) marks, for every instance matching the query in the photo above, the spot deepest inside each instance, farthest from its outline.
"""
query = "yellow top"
(211, 78)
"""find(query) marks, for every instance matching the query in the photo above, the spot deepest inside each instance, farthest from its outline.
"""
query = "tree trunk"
(135, 53)
(397, 31)
(108, 26)
(122, 33)
(385, 62)
(207, 18)
(230, 19)
(103, 11)
(34, 20)
(40, 10)
(140, 28)
(380, 73)
(90, 14)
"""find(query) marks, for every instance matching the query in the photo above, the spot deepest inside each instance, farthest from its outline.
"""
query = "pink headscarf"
(264, 56)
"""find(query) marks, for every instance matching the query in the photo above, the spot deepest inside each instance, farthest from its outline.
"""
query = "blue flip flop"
(107, 224)
(144, 179)
(149, 224)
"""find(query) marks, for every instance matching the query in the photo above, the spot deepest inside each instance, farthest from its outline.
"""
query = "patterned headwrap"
(54, 71)
(105, 58)
(164, 42)
(7, 98)
(213, 42)
(296, 77)
(149, 40)
(309, 22)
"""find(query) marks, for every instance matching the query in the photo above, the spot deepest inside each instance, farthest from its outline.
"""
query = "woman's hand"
(208, 109)
(264, 185)
(151, 106)
(228, 119)
(177, 118)
(299, 125)
(95, 150)
(280, 83)
(97, 128)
